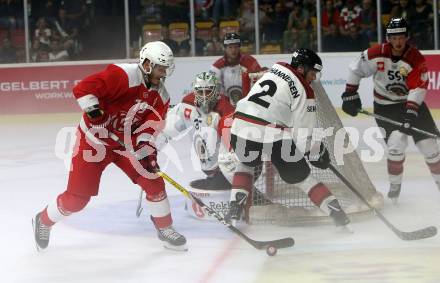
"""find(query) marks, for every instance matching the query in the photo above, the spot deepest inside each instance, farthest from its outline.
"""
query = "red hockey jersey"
(135, 110)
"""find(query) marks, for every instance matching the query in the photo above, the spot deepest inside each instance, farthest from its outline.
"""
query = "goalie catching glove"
(322, 160)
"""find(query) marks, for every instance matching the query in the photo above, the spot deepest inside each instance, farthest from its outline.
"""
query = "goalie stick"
(399, 124)
(260, 245)
(406, 236)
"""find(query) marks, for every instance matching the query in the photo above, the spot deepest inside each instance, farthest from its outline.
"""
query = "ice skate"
(172, 239)
(41, 233)
(215, 182)
(394, 192)
(338, 214)
(236, 208)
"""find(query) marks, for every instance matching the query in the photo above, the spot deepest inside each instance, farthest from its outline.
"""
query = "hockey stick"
(399, 124)
(260, 245)
(139, 206)
(406, 236)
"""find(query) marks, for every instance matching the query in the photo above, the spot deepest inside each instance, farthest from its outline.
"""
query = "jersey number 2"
(256, 97)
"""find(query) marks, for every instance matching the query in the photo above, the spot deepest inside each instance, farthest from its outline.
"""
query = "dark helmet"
(397, 26)
(306, 58)
(231, 38)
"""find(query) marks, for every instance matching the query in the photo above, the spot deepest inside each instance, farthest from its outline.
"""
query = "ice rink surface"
(107, 243)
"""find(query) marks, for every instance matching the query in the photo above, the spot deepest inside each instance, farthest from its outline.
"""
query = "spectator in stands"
(69, 31)
(247, 20)
(214, 46)
(203, 9)
(11, 14)
(45, 9)
(174, 45)
(175, 11)
(275, 23)
(7, 52)
(58, 53)
(403, 10)
(222, 9)
(42, 56)
(331, 40)
(349, 17)
(330, 18)
(292, 40)
(42, 32)
(151, 12)
(367, 18)
(185, 47)
(299, 22)
(421, 23)
(354, 41)
(75, 12)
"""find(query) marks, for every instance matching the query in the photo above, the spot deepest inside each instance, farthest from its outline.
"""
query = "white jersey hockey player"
(204, 110)
(229, 68)
(267, 123)
(400, 83)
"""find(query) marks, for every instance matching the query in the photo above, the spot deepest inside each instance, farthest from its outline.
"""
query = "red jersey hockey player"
(203, 110)
(129, 100)
(267, 123)
(229, 68)
(400, 81)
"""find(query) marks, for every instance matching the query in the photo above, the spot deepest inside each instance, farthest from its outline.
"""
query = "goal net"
(277, 202)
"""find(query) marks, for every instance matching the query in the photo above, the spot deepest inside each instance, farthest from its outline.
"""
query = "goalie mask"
(206, 91)
(158, 53)
(306, 59)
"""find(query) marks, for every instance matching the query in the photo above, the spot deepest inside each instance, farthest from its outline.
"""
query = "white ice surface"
(107, 243)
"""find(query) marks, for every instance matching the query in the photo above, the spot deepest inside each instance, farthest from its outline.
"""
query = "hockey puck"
(271, 251)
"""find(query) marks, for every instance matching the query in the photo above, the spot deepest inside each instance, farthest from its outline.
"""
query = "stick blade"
(279, 244)
(424, 233)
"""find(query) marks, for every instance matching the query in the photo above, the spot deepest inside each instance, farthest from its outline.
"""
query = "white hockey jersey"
(230, 76)
(207, 128)
(395, 81)
(280, 105)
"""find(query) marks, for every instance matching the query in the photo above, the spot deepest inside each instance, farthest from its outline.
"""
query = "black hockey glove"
(408, 118)
(323, 160)
(351, 103)
(97, 118)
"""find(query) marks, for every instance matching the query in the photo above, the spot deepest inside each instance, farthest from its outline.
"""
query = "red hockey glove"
(147, 156)
(97, 118)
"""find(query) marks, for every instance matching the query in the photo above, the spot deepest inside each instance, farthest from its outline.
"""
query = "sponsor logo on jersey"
(209, 120)
(311, 108)
(403, 71)
(380, 66)
(286, 78)
(187, 113)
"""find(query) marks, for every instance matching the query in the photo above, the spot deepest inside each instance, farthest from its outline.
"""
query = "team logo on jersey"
(187, 113)
(380, 66)
(397, 89)
(403, 71)
(209, 120)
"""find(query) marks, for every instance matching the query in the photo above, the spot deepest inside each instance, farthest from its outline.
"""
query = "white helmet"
(206, 91)
(158, 53)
